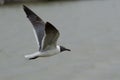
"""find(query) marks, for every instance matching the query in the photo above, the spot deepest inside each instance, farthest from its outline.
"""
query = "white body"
(44, 54)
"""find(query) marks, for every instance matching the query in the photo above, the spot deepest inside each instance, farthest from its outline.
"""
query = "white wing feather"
(36, 37)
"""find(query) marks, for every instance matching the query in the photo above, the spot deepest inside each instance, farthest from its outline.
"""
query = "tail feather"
(32, 56)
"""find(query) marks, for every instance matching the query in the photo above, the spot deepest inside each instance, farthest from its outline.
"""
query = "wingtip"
(24, 7)
(28, 11)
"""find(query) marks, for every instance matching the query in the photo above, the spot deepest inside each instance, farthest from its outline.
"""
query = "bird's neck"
(58, 48)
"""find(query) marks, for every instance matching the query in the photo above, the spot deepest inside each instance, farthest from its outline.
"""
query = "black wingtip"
(24, 6)
(28, 11)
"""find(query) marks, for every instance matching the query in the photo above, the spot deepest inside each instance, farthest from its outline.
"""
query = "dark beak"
(68, 50)
(64, 49)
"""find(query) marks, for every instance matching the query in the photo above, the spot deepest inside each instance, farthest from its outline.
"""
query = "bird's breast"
(49, 53)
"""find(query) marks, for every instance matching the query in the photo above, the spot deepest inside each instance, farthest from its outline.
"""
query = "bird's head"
(64, 49)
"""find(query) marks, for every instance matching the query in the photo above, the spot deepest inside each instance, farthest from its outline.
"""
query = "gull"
(46, 36)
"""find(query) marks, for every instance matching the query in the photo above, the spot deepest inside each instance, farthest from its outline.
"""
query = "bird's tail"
(32, 56)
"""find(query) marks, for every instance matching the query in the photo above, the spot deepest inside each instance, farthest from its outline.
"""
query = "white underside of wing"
(36, 37)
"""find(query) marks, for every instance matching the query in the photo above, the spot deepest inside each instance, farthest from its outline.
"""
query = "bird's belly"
(49, 53)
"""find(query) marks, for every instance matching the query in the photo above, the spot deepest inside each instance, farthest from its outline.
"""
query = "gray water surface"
(91, 29)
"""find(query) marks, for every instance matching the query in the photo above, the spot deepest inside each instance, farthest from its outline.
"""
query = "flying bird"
(46, 36)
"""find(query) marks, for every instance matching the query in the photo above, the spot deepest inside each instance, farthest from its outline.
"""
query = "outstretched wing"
(51, 37)
(38, 24)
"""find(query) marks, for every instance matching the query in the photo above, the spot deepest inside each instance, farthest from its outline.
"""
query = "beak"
(64, 49)
(68, 50)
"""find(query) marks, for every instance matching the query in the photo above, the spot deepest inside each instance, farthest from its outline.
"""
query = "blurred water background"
(90, 28)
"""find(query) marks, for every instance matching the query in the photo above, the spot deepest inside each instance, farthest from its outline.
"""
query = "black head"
(64, 49)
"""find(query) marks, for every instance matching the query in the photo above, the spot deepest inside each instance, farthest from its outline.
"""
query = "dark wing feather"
(37, 23)
(51, 37)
